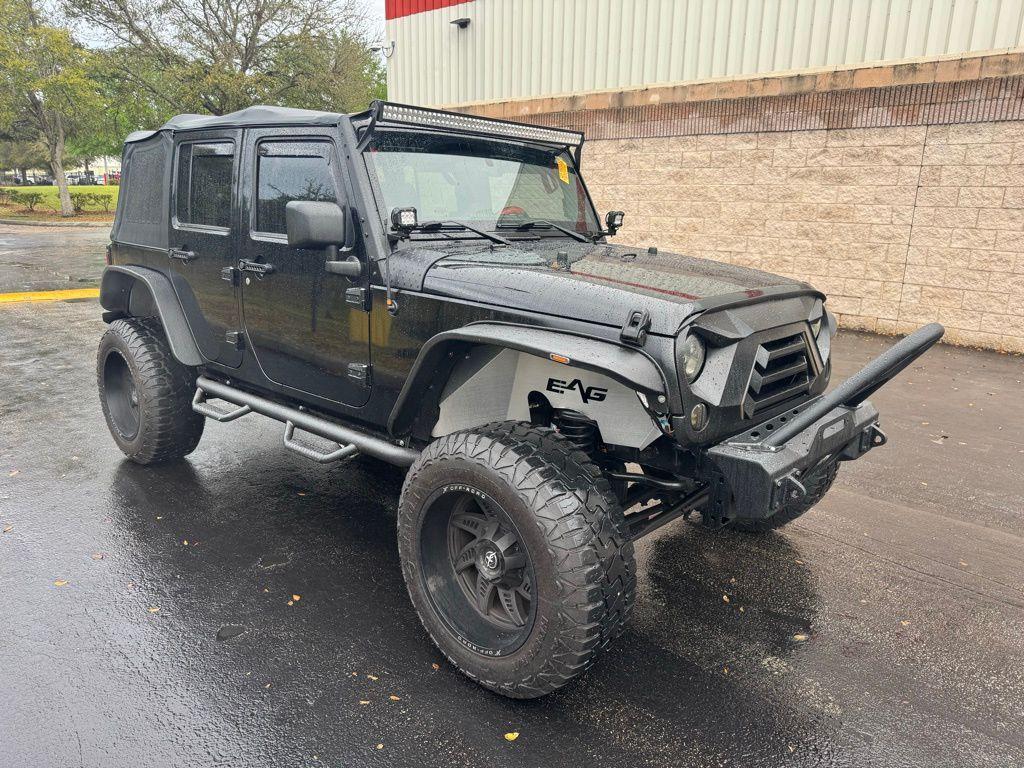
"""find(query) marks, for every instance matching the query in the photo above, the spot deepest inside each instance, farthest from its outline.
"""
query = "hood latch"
(634, 331)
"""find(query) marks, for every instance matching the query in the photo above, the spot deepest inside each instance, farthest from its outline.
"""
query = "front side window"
(203, 188)
(289, 171)
(489, 184)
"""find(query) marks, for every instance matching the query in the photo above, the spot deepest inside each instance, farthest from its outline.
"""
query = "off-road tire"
(817, 484)
(168, 428)
(575, 533)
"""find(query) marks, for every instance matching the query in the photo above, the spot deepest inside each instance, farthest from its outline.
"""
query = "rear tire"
(817, 484)
(537, 526)
(146, 394)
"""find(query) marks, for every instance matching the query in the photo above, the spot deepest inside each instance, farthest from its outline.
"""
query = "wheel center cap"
(489, 561)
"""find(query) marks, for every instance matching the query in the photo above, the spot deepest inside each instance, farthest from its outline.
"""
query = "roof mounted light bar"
(388, 113)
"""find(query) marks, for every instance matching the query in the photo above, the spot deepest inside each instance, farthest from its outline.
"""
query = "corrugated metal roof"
(529, 48)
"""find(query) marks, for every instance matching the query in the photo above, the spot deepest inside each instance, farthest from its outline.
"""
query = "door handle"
(180, 255)
(255, 267)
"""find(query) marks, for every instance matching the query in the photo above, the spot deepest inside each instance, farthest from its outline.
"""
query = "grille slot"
(782, 371)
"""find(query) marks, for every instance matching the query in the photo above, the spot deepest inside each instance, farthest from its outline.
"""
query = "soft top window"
(203, 189)
(289, 171)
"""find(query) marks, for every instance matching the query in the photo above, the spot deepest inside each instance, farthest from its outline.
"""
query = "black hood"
(602, 283)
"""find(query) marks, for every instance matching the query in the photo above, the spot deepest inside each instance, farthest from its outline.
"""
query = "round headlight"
(692, 357)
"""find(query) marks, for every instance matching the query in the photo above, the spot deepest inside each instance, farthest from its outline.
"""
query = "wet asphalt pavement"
(148, 616)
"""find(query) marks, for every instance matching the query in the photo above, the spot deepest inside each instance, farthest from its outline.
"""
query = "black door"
(204, 239)
(303, 331)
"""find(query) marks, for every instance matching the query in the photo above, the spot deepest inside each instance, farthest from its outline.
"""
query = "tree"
(217, 56)
(45, 84)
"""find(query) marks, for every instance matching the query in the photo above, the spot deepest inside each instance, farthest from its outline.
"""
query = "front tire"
(146, 394)
(516, 556)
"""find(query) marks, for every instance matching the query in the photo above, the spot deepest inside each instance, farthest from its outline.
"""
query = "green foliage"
(94, 200)
(28, 199)
(91, 198)
(216, 56)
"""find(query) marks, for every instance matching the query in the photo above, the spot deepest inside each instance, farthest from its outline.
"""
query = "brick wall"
(897, 190)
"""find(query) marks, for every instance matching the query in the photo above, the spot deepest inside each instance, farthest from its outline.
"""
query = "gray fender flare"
(629, 365)
(120, 295)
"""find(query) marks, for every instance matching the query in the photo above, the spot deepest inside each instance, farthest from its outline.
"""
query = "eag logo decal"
(587, 394)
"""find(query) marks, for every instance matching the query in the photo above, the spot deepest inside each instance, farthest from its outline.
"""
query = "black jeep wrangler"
(436, 290)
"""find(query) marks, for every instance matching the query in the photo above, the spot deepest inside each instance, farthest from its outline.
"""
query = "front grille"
(782, 371)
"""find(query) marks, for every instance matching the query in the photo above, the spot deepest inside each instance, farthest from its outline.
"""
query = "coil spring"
(576, 427)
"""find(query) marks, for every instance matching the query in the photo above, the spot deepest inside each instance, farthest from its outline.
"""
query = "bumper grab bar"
(856, 389)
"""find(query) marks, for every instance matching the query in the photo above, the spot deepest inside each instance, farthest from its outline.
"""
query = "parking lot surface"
(246, 607)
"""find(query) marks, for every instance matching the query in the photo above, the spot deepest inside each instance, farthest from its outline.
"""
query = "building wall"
(534, 48)
(904, 203)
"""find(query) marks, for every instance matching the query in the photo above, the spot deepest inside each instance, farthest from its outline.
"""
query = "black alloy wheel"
(479, 575)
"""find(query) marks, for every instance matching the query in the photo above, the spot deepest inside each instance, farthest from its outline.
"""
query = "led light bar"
(386, 112)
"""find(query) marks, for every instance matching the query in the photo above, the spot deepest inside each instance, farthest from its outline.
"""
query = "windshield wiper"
(545, 223)
(428, 226)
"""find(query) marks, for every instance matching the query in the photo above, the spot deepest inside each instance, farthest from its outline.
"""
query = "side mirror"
(612, 221)
(314, 224)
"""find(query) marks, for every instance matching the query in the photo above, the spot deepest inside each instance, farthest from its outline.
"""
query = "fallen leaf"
(60, 582)
(511, 735)
(380, 746)
(394, 698)
(904, 623)
(363, 701)
(185, 542)
(14, 472)
(301, 493)
(798, 562)
(296, 598)
(372, 677)
(97, 555)
(800, 638)
(725, 670)
(435, 666)
(742, 609)
(291, 602)
(267, 685)
(963, 563)
(153, 609)
(725, 598)
(8, 528)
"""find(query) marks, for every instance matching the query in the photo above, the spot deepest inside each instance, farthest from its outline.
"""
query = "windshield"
(488, 184)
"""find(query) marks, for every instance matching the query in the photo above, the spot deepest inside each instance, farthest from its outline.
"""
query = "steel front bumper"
(754, 473)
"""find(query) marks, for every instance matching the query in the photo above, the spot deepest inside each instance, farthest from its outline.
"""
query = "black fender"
(628, 365)
(144, 292)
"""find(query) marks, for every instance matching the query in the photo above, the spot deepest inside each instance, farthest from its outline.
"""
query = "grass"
(49, 208)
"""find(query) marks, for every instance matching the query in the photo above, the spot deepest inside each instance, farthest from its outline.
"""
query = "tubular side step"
(350, 441)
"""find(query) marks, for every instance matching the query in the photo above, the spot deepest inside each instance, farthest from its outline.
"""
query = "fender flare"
(628, 365)
(116, 296)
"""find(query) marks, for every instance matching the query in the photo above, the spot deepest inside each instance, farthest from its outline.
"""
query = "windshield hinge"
(634, 331)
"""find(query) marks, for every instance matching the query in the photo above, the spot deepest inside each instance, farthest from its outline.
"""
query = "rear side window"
(203, 189)
(290, 170)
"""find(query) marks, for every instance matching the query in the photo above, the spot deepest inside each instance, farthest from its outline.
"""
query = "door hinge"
(359, 372)
(356, 297)
(235, 338)
(230, 274)
(634, 331)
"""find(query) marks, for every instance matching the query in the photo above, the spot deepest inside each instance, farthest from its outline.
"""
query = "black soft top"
(243, 118)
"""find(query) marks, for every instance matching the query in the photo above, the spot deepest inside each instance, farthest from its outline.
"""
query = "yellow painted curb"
(72, 293)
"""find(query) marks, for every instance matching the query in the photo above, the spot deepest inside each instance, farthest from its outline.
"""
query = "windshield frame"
(571, 159)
